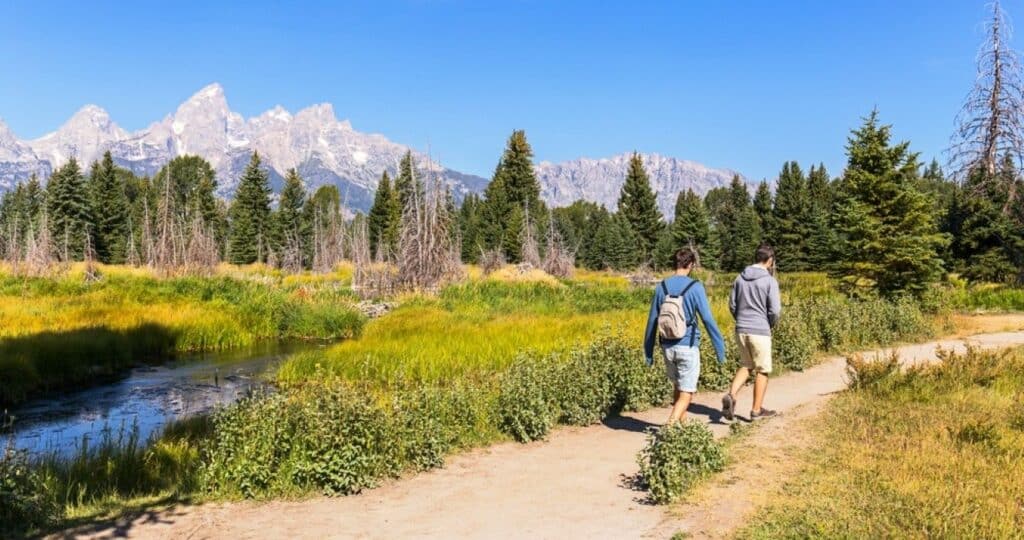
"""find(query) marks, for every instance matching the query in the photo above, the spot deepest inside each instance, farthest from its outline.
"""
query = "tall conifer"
(638, 205)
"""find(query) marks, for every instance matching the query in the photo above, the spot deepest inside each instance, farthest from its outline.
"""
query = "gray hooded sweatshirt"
(754, 301)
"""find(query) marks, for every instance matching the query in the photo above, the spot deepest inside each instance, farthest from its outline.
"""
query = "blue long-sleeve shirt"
(695, 302)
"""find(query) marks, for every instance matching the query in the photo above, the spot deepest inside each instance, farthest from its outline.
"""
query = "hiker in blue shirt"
(678, 332)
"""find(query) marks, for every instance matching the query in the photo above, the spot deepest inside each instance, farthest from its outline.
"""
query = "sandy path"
(570, 486)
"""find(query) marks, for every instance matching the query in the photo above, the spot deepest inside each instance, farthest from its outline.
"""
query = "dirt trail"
(571, 486)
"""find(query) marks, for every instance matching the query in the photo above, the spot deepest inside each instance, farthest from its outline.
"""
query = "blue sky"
(743, 84)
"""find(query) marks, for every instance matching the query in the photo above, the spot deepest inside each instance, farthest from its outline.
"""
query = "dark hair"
(763, 253)
(685, 258)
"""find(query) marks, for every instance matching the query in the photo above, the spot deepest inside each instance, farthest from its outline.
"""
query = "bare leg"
(682, 402)
(738, 381)
(760, 386)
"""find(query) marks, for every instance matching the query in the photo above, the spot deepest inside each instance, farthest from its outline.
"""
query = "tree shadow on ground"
(628, 423)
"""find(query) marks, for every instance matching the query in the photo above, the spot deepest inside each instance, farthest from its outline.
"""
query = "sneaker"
(764, 413)
(728, 406)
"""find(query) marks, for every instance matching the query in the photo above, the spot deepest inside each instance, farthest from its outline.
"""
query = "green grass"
(988, 297)
(933, 452)
(64, 332)
(481, 361)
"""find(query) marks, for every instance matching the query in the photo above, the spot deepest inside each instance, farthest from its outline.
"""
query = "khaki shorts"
(755, 352)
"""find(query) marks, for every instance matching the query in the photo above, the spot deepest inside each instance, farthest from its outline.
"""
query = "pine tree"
(409, 183)
(469, 228)
(763, 208)
(290, 219)
(512, 236)
(68, 210)
(616, 245)
(792, 218)
(987, 244)
(889, 232)
(578, 224)
(520, 180)
(638, 205)
(691, 227)
(821, 240)
(738, 228)
(513, 189)
(385, 217)
(250, 216)
(110, 205)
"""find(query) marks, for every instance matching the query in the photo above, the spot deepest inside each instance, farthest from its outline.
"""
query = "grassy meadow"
(507, 356)
(930, 452)
(65, 331)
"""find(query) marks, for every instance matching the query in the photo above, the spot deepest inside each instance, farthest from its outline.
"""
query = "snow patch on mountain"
(322, 148)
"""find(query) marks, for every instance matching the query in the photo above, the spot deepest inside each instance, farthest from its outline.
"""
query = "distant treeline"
(886, 223)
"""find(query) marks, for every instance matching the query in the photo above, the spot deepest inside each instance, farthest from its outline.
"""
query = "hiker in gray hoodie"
(755, 305)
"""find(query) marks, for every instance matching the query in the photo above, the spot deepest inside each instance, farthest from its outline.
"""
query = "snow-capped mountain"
(325, 150)
(600, 180)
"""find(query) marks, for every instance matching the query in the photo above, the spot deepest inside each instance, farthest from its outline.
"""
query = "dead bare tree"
(328, 240)
(201, 255)
(291, 252)
(427, 253)
(164, 252)
(39, 252)
(148, 247)
(558, 260)
(92, 273)
(491, 260)
(530, 250)
(12, 245)
(131, 250)
(990, 126)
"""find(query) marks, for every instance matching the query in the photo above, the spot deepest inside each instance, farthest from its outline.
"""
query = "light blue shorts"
(682, 367)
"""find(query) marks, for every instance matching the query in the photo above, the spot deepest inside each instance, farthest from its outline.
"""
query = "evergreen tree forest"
(887, 224)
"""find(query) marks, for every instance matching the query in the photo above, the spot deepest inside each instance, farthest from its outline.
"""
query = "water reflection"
(147, 397)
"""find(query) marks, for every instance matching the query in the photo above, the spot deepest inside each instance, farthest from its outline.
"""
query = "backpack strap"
(664, 287)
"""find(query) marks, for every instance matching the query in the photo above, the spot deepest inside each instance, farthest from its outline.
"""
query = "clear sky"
(742, 84)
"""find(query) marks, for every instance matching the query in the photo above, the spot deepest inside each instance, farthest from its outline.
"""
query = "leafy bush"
(793, 343)
(525, 401)
(251, 440)
(343, 443)
(675, 457)
(25, 501)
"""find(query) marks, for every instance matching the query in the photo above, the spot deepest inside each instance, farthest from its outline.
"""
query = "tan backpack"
(672, 316)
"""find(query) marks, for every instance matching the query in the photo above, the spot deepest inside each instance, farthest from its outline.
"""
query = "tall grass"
(929, 452)
(62, 332)
(473, 329)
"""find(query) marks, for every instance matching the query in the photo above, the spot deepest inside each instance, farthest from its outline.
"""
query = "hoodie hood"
(754, 272)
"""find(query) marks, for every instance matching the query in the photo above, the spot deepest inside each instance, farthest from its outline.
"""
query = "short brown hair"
(763, 254)
(685, 258)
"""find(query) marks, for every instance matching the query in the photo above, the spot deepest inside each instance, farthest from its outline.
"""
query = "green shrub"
(252, 438)
(635, 385)
(715, 376)
(342, 442)
(583, 391)
(26, 503)
(675, 457)
(793, 343)
(525, 408)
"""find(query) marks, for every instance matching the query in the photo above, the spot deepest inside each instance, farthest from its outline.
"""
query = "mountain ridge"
(324, 149)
